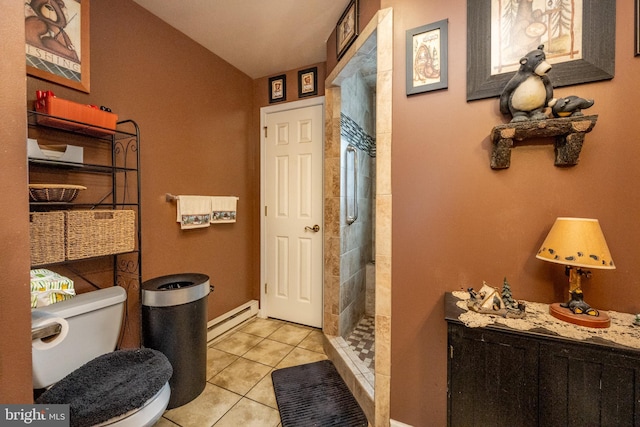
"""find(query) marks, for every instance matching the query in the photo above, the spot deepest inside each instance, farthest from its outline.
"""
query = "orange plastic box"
(90, 120)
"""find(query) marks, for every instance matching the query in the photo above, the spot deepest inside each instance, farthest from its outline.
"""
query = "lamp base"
(566, 315)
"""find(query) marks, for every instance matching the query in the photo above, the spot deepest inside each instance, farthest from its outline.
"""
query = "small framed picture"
(347, 28)
(278, 88)
(427, 58)
(308, 82)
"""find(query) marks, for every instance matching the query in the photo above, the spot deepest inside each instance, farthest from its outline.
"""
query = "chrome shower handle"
(352, 216)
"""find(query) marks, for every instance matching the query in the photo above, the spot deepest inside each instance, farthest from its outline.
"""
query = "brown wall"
(15, 345)
(195, 114)
(199, 121)
(456, 222)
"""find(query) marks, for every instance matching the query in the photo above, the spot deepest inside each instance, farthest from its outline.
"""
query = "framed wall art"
(578, 39)
(308, 82)
(427, 58)
(278, 88)
(57, 42)
(347, 28)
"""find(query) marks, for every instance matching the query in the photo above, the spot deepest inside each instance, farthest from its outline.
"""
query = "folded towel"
(223, 209)
(48, 287)
(193, 211)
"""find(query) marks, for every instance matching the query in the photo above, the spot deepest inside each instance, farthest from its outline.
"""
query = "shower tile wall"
(357, 125)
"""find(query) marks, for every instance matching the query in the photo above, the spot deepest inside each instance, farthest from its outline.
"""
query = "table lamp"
(577, 243)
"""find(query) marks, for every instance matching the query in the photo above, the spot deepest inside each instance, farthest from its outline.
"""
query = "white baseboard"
(231, 319)
(395, 423)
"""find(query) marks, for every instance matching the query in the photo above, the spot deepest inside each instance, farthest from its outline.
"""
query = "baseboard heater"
(231, 319)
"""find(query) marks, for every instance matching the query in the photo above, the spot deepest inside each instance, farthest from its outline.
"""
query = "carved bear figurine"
(569, 106)
(528, 92)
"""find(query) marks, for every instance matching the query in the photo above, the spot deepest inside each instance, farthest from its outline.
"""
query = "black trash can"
(174, 322)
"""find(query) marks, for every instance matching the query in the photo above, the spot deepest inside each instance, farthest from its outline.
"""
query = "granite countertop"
(622, 331)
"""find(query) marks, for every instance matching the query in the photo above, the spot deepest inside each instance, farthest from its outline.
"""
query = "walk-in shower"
(357, 277)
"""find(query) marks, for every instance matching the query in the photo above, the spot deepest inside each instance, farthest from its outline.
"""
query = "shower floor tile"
(362, 341)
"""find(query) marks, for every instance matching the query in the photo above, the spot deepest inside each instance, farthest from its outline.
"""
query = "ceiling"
(259, 37)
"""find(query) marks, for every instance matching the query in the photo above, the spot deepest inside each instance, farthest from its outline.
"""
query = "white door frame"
(264, 111)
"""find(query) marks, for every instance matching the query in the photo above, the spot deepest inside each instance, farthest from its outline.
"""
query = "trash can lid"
(174, 289)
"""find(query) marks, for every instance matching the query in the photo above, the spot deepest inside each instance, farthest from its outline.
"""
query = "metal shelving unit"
(121, 169)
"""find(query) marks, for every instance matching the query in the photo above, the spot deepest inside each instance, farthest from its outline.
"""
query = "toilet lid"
(110, 385)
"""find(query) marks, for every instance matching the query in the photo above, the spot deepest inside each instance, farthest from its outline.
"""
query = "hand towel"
(223, 209)
(49, 287)
(193, 211)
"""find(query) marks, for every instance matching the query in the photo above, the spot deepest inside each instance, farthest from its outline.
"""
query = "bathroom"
(173, 137)
(205, 115)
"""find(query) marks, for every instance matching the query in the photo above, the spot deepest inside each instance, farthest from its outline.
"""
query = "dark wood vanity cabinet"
(499, 376)
(583, 385)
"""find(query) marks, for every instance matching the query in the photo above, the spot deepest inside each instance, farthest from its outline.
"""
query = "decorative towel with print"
(223, 209)
(49, 287)
(193, 211)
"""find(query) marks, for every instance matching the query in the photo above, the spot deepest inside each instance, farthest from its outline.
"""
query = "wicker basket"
(59, 193)
(99, 232)
(46, 232)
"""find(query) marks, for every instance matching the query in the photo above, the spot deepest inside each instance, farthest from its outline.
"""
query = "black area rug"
(314, 395)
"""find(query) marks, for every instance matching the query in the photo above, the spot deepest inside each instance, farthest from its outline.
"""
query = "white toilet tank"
(91, 325)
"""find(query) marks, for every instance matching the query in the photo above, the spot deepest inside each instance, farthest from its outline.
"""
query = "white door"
(292, 247)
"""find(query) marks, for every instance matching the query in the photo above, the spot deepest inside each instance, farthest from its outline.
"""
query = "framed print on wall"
(308, 82)
(57, 42)
(278, 88)
(347, 28)
(427, 57)
(578, 38)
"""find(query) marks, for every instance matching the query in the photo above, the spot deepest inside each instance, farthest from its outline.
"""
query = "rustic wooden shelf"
(568, 136)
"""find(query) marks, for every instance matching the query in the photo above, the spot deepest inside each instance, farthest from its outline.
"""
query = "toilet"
(76, 363)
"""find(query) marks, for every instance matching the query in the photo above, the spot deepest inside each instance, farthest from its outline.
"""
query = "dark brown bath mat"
(314, 395)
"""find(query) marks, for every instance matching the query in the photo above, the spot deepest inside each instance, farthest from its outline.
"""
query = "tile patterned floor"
(362, 341)
(239, 391)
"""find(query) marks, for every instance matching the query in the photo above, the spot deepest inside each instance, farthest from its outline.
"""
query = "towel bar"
(171, 198)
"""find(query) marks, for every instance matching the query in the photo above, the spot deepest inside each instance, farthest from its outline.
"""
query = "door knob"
(315, 228)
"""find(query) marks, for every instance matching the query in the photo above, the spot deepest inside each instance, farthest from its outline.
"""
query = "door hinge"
(265, 131)
(265, 211)
(450, 352)
(265, 288)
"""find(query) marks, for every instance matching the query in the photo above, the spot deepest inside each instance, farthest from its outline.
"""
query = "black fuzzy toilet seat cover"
(110, 385)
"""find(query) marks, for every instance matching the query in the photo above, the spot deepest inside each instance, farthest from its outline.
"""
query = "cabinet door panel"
(585, 386)
(492, 379)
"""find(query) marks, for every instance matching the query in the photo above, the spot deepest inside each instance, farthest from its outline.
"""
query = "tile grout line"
(302, 332)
